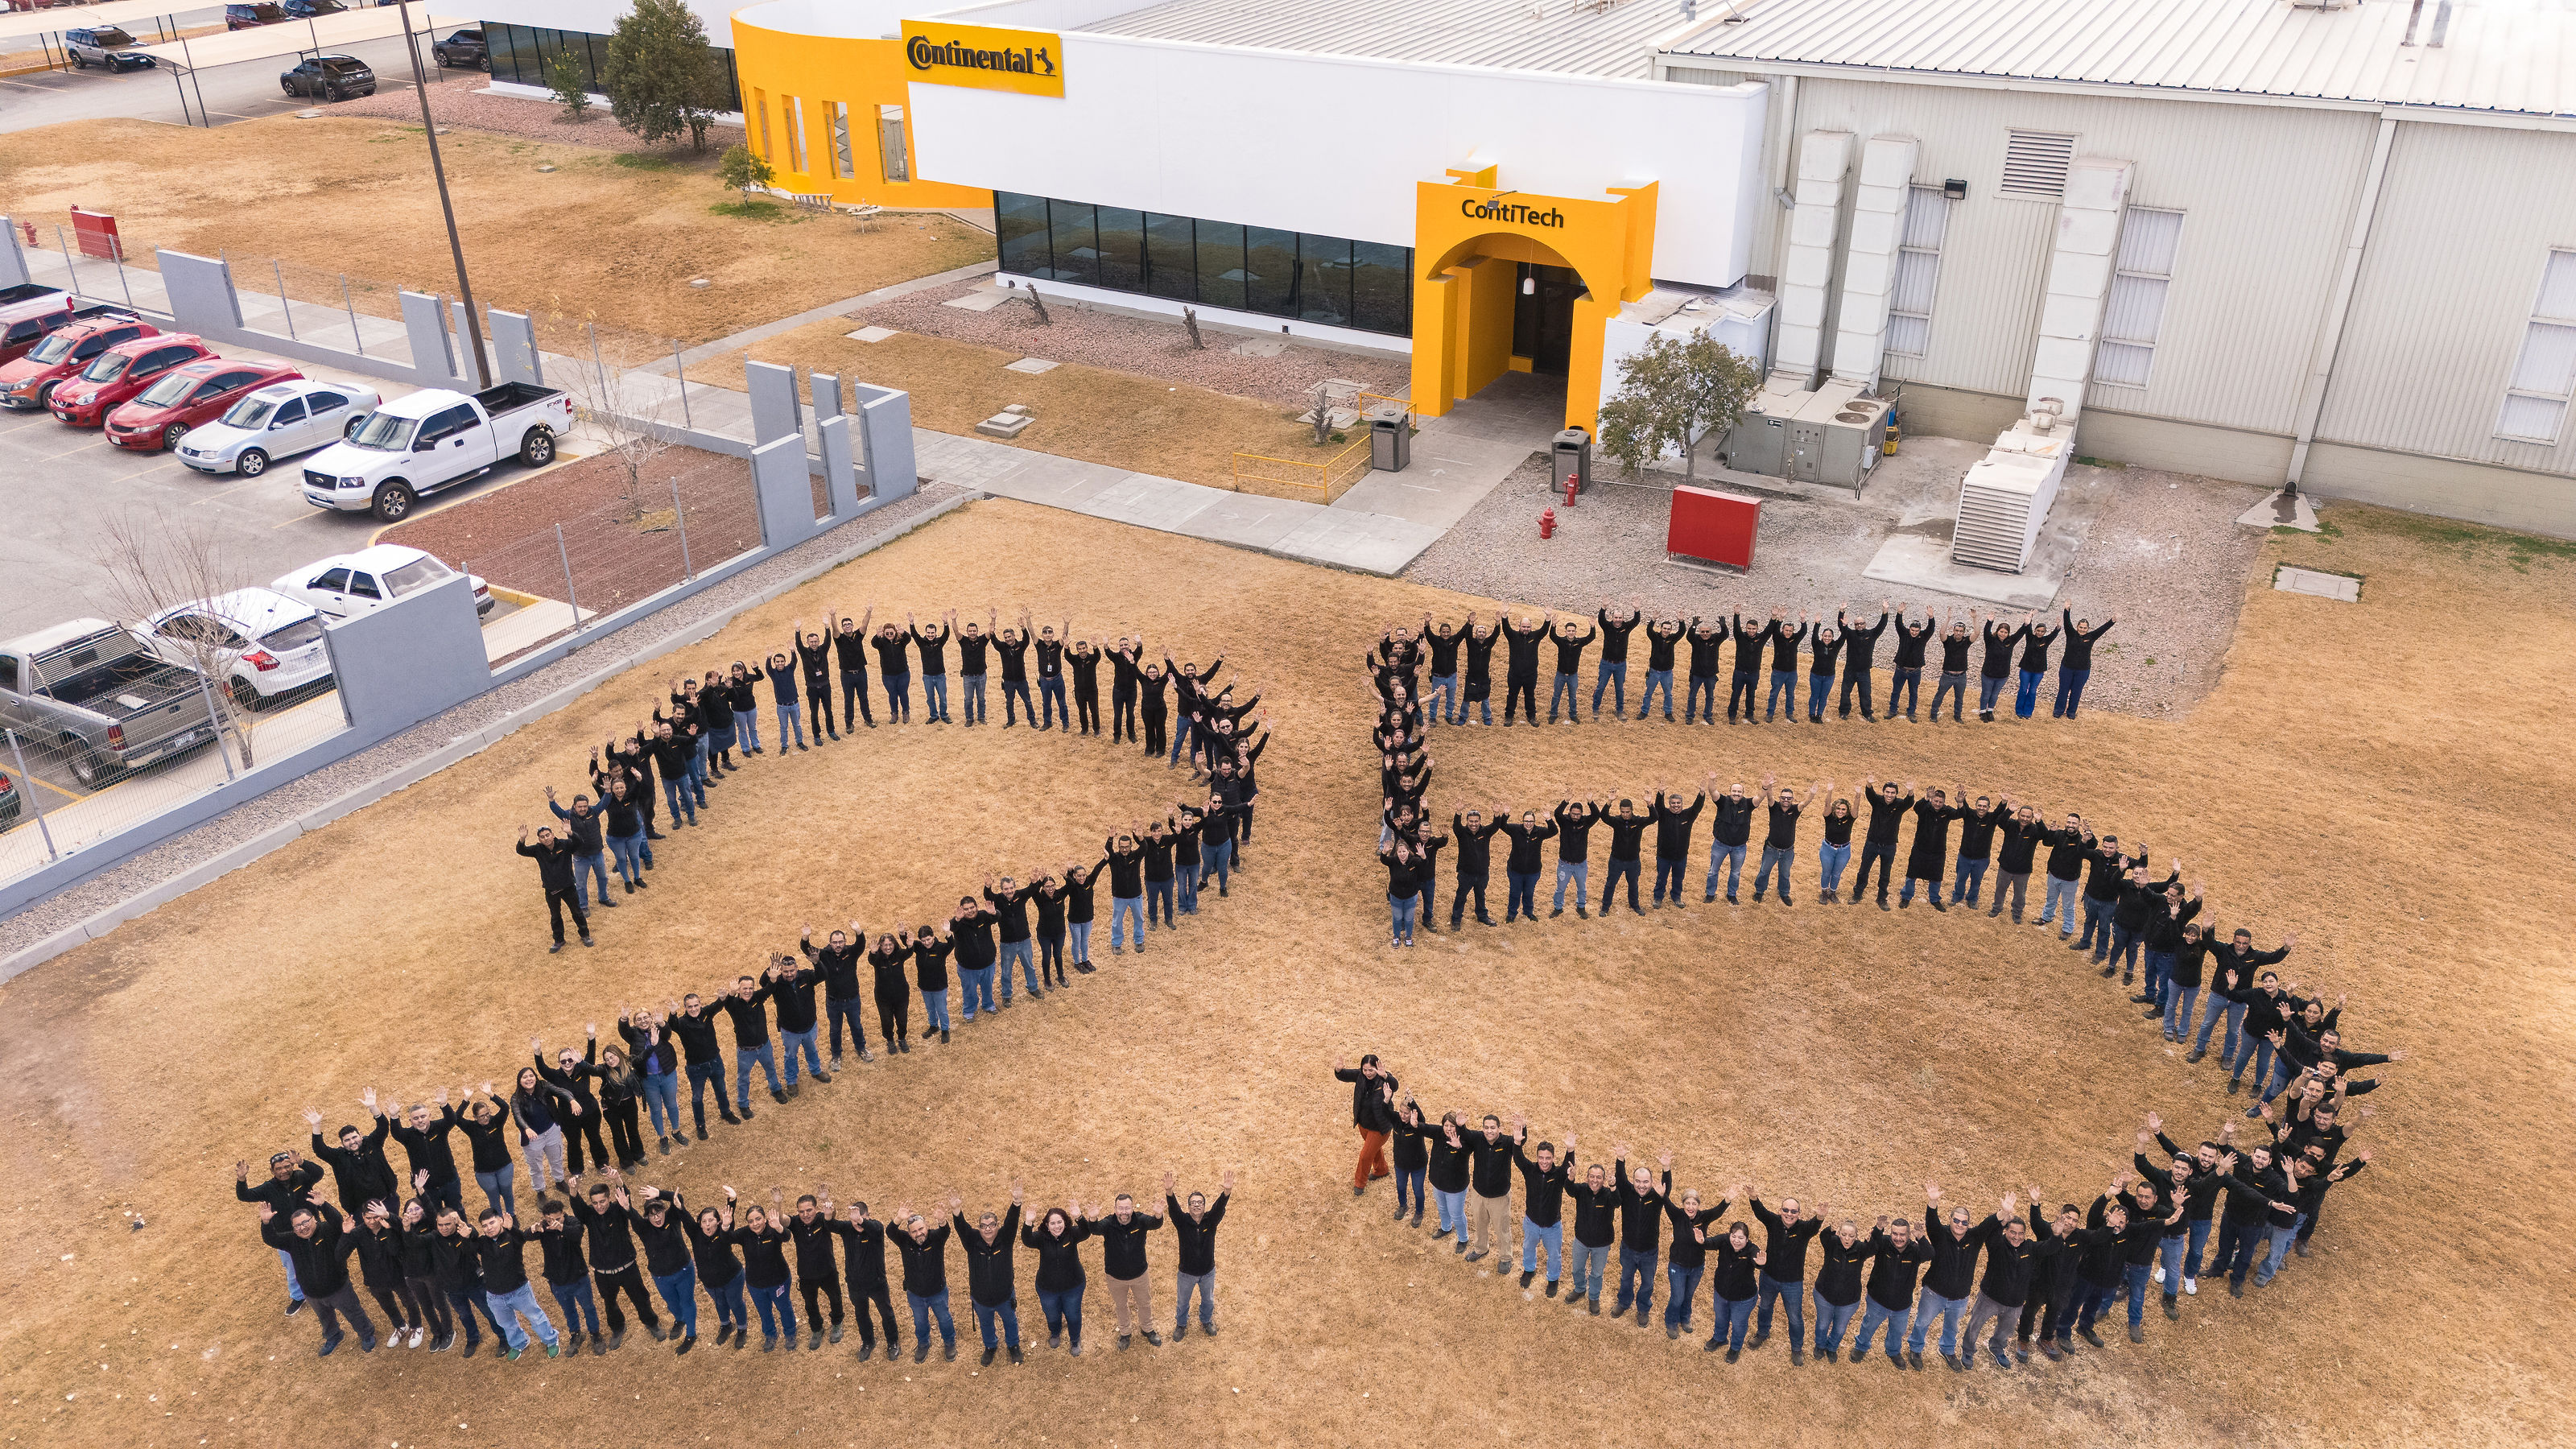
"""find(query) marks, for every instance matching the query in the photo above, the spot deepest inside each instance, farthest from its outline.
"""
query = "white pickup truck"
(434, 439)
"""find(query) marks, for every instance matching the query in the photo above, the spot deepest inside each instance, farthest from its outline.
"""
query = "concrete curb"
(439, 759)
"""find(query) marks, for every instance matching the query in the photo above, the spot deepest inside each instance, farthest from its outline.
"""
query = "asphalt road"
(239, 92)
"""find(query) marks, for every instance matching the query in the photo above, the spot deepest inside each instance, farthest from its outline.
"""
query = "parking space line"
(316, 513)
(236, 488)
(72, 796)
(99, 441)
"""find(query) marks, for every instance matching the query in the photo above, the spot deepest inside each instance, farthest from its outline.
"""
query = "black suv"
(239, 16)
(331, 77)
(464, 49)
(104, 45)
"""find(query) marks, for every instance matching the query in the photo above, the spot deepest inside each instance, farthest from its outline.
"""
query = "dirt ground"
(2354, 777)
(1118, 418)
(600, 237)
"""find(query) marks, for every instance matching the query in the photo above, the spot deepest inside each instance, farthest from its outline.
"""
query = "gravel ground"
(2164, 555)
(1135, 344)
(456, 99)
(226, 831)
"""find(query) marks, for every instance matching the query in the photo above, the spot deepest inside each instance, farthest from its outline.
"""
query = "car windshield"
(106, 367)
(53, 349)
(167, 391)
(293, 636)
(384, 433)
(110, 36)
(250, 412)
(420, 573)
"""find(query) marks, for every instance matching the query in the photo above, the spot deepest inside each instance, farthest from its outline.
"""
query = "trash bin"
(1390, 440)
(1571, 458)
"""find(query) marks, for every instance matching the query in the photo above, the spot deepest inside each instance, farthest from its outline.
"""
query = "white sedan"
(265, 643)
(275, 422)
(346, 585)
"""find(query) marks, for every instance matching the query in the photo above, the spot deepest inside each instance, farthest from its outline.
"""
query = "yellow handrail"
(1323, 476)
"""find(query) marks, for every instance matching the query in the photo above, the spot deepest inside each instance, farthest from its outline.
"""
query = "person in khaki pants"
(1489, 1187)
(1122, 1252)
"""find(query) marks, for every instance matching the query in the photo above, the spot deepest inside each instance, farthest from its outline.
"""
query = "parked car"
(313, 9)
(199, 392)
(349, 584)
(27, 336)
(331, 77)
(119, 373)
(463, 50)
(277, 638)
(96, 694)
(434, 439)
(17, 293)
(27, 384)
(11, 807)
(27, 323)
(251, 16)
(279, 421)
(104, 45)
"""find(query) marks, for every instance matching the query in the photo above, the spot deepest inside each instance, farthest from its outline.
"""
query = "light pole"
(455, 245)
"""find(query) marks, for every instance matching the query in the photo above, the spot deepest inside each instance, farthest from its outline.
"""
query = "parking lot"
(232, 92)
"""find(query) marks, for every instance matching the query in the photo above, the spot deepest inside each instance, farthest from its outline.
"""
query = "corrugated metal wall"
(2465, 224)
(2267, 191)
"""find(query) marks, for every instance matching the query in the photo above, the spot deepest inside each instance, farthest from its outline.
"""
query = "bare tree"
(632, 413)
(156, 563)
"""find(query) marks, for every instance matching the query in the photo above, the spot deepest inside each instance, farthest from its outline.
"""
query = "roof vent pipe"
(2441, 25)
(2414, 13)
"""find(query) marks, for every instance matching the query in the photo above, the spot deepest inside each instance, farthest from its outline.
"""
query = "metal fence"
(1330, 477)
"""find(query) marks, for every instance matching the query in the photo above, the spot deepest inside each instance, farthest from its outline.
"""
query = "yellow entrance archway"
(1468, 233)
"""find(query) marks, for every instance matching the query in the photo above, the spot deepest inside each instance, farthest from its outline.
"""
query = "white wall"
(861, 19)
(598, 17)
(1335, 146)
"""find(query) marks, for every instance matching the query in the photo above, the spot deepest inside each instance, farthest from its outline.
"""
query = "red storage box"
(1714, 527)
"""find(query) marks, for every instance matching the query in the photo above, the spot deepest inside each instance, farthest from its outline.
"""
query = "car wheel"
(78, 63)
(90, 769)
(538, 448)
(45, 396)
(485, 64)
(251, 463)
(287, 86)
(393, 502)
(246, 697)
(171, 435)
(349, 429)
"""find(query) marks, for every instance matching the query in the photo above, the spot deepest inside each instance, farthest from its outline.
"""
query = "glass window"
(1324, 280)
(1021, 224)
(1122, 249)
(293, 412)
(841, 140)
(791, 110)
(1073, 235)
(293, 636)
(1270, 270)
(420, 573)
(760, 118)
(1171, 259)
(2134, 311)
(1221, 273)
(892, 157)
(1382, 288)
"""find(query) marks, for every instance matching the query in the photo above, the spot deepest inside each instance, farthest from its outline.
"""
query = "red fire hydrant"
(1573, 484)
(1547, 523)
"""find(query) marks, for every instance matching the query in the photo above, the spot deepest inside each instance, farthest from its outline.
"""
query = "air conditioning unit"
(2005, 497)
(1831, 434)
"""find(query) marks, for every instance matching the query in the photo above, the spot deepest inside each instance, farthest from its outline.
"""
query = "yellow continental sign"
(1029, 62)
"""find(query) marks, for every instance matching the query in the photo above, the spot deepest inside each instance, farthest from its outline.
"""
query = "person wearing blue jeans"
(506, 1289)
(580, 1306)
(1124, 910)
(1833, 855)
(897, 682)
(1783, 1279)
(1543, 1180)
(976, 713)
(780, 670)
(1613, 676)
(1580, 873)
(1053, 714)
(662, 1103)
(1784, 684)
(679, 1293)
(1655, 679)
(978, 992)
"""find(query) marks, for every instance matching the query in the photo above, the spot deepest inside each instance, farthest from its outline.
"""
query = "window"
(1918, 268)
(293, 412)
(420, 573)
(841, 141)
(892, 155)
(1221, 273)
(2544, 374)
(1020, 224)
(1171, 268)
(2035, 165)
(2135, 309)
(792, 111)
(323, 402)
(760, 105)
(1122, 249)
(331, 581)
(1072, 232)
(1324, 279)
(363, 586)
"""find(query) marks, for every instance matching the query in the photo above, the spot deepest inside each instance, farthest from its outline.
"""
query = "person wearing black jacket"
(1372, 1113)
(311, 1235)
(2013, 1260)
(1569, 660)
(1194, 1227)
(933, 648)
(2167, 920)
(567, 1077)
(568, 1273)
(656, 1059)
(925, 1281)
(663, 1232)
(2077, 666)
(502, 1249)
(2049, 1307)
(584, 835)
(1440, 701)
(711, 1246)
(1474, 835)
(1571, 822)
(486, 1125)
(1673, 824)
(611, 1226)
(358, 1166)
(1905, 677)
(458, 1267)
(1977, 827)
(748, 1006)
(1997, 665)
(791, 986)
(1662, 638)
(1521, 864)
(1824, 651)
(1745, 683)
(415, 1245)
(620, 1087)
(1780, 833)
(1627, 831)
(1786, 1234)
(1641, 1232)
(1784, 668)
(1730, 831)
(1057, 1238)
(894, 671)
(1450, 1155)
(1838, 1286)
(2023, 834)
(2107, 871)
(811, 1228)
(1887, 809)
(693, 1024)
(380, 1267)
(1929, 858)
(2136, 1241)
(838, 961)
(1899, 1256)
(1955, 644)
(554, 873)
(1946, 1285)
(1520, 679)
(1489, 1183)
(2037, 639)
(1859, 648)
(2135, 909)
(850, 648)
(1688, 1261)
(1613, 669)
(863, 1242)
(1731, 1287)
(1542, 1205)
(1122, 1256)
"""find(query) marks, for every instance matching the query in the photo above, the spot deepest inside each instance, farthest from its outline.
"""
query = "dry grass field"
(2387, 778)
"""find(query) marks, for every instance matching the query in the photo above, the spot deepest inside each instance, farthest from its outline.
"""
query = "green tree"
(740, 169)
(563, 77)
(662, 75)
(1669, 393)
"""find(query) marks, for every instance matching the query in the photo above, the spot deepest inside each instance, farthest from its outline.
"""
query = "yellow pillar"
(1435, 326)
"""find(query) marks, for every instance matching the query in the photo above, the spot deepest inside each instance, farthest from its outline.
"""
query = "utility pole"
(455, 245)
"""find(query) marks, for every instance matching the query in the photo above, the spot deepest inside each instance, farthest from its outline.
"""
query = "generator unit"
(1829, 434)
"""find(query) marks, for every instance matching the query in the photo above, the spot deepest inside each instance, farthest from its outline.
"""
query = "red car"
(197, 392)
(28, 321)
(27, 384)
(119, 373)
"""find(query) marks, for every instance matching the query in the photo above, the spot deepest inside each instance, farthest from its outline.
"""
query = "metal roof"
(1535, 35)
(2509, 57)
